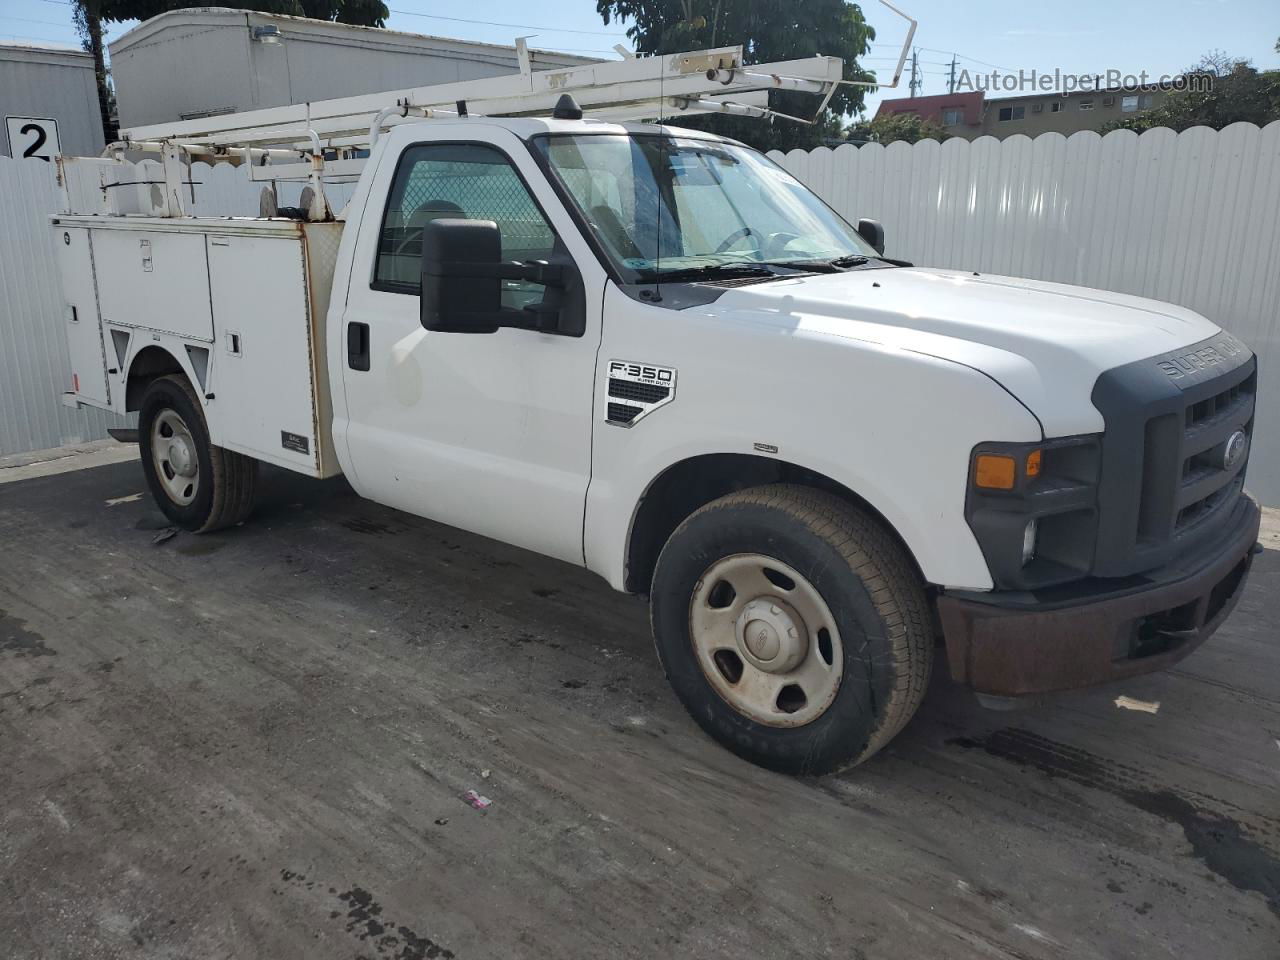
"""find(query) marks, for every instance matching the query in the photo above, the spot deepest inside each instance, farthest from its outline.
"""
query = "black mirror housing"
(462, 284)
(872, 231)
(455, 297)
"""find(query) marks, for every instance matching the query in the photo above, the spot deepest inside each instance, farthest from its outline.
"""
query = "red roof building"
(960, 113)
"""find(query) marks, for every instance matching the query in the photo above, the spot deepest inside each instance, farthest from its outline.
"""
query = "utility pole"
(951, 84)
(915, 72)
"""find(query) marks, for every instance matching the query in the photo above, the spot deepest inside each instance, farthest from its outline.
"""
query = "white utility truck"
(653, 352)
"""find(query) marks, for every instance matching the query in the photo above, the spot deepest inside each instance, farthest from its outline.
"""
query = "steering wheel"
(734, 237)
(418, 220)
(776, 244)
(407, 240)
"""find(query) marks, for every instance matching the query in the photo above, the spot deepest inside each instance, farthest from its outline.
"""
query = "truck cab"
(653, 352)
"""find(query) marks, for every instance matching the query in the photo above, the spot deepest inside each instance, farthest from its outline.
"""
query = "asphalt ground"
(256, 744)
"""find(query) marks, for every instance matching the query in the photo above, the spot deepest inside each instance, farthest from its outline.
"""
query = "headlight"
(1033, 509)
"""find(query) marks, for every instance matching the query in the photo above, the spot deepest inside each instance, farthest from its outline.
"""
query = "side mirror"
(872, 231)
(461, 292)
(462, 274)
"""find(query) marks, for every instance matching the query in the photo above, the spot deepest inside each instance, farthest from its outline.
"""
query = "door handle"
(358, 346)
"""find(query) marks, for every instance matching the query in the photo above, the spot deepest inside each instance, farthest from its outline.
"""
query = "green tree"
(1226, 91)
(90, 15)
(87, 17)
(768, 30)
(909, 127)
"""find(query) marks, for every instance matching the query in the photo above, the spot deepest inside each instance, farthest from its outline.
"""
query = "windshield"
(667, 205)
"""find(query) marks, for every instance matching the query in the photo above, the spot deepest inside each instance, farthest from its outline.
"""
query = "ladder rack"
(632, 89)
(329, 139)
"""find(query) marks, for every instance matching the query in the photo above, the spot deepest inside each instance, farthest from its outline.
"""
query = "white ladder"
(636, 88)
(291, 142)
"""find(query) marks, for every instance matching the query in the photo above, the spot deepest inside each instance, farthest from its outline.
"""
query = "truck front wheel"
(198, 486)
(793, 627)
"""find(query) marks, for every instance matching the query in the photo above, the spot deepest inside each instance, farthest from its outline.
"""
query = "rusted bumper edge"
(1018, 645)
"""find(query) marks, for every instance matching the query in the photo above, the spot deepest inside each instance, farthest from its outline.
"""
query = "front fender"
(894, 426)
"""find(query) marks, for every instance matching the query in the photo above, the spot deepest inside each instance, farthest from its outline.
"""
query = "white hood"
(1044, 342)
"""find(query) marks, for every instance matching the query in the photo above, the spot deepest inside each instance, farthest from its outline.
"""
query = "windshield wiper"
(709, 271)
(826, 266)
(839, 264)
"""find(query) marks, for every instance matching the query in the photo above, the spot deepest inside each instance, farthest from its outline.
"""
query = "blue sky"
(1085, 36)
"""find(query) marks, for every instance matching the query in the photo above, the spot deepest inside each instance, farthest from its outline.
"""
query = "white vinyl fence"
(1190, 218)
(34, 369)
(33, 344)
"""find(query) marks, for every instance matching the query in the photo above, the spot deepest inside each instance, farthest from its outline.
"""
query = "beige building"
(1056, 113)
(971, 115)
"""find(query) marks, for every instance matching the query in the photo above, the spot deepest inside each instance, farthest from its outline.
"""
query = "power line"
(551, 29)
(430, 16)
(517, 26)
(962, 56)
(435, 16)
(47, 23)
(67, 25)
(18, 36)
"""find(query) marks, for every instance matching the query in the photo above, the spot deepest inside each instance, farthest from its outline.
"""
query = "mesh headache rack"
(330, 139)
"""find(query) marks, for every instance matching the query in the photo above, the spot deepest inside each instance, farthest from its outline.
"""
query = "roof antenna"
(567, 108)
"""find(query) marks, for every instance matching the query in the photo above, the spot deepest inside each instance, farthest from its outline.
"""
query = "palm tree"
(87, 16)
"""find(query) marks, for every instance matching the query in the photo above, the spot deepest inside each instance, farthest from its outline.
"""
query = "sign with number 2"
(33, 137)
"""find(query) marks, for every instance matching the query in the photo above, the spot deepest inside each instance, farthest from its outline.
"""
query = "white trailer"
(652, 352)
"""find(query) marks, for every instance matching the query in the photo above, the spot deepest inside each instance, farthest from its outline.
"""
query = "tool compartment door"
(82, 324)
(154, 279)
(264, 399)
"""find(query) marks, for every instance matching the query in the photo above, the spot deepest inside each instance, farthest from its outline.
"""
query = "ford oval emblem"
(1234, 450)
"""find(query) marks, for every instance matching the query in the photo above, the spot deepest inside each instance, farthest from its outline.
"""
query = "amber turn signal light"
(994, 471)
(1033, 463)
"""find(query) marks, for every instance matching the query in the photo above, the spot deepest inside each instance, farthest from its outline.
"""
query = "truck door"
(488, 432)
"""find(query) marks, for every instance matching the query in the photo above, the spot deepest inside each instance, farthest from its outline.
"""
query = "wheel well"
(151, 362)
(685, 486)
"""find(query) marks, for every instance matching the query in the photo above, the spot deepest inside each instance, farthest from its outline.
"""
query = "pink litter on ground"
(476, 800)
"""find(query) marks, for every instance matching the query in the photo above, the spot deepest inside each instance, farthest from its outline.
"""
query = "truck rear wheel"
(198, 486)
(793, 627)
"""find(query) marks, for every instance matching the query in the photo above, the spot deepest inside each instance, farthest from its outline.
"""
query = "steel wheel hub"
(181, 457)
(766, 640)
(771, 635)
(174, 456)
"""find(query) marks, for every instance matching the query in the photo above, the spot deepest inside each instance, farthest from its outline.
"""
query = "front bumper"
(1014, 644)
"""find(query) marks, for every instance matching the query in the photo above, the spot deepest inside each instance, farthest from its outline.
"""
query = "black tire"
(871, 588)
(227, 480)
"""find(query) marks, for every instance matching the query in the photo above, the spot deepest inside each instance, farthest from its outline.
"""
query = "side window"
(456, 181)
